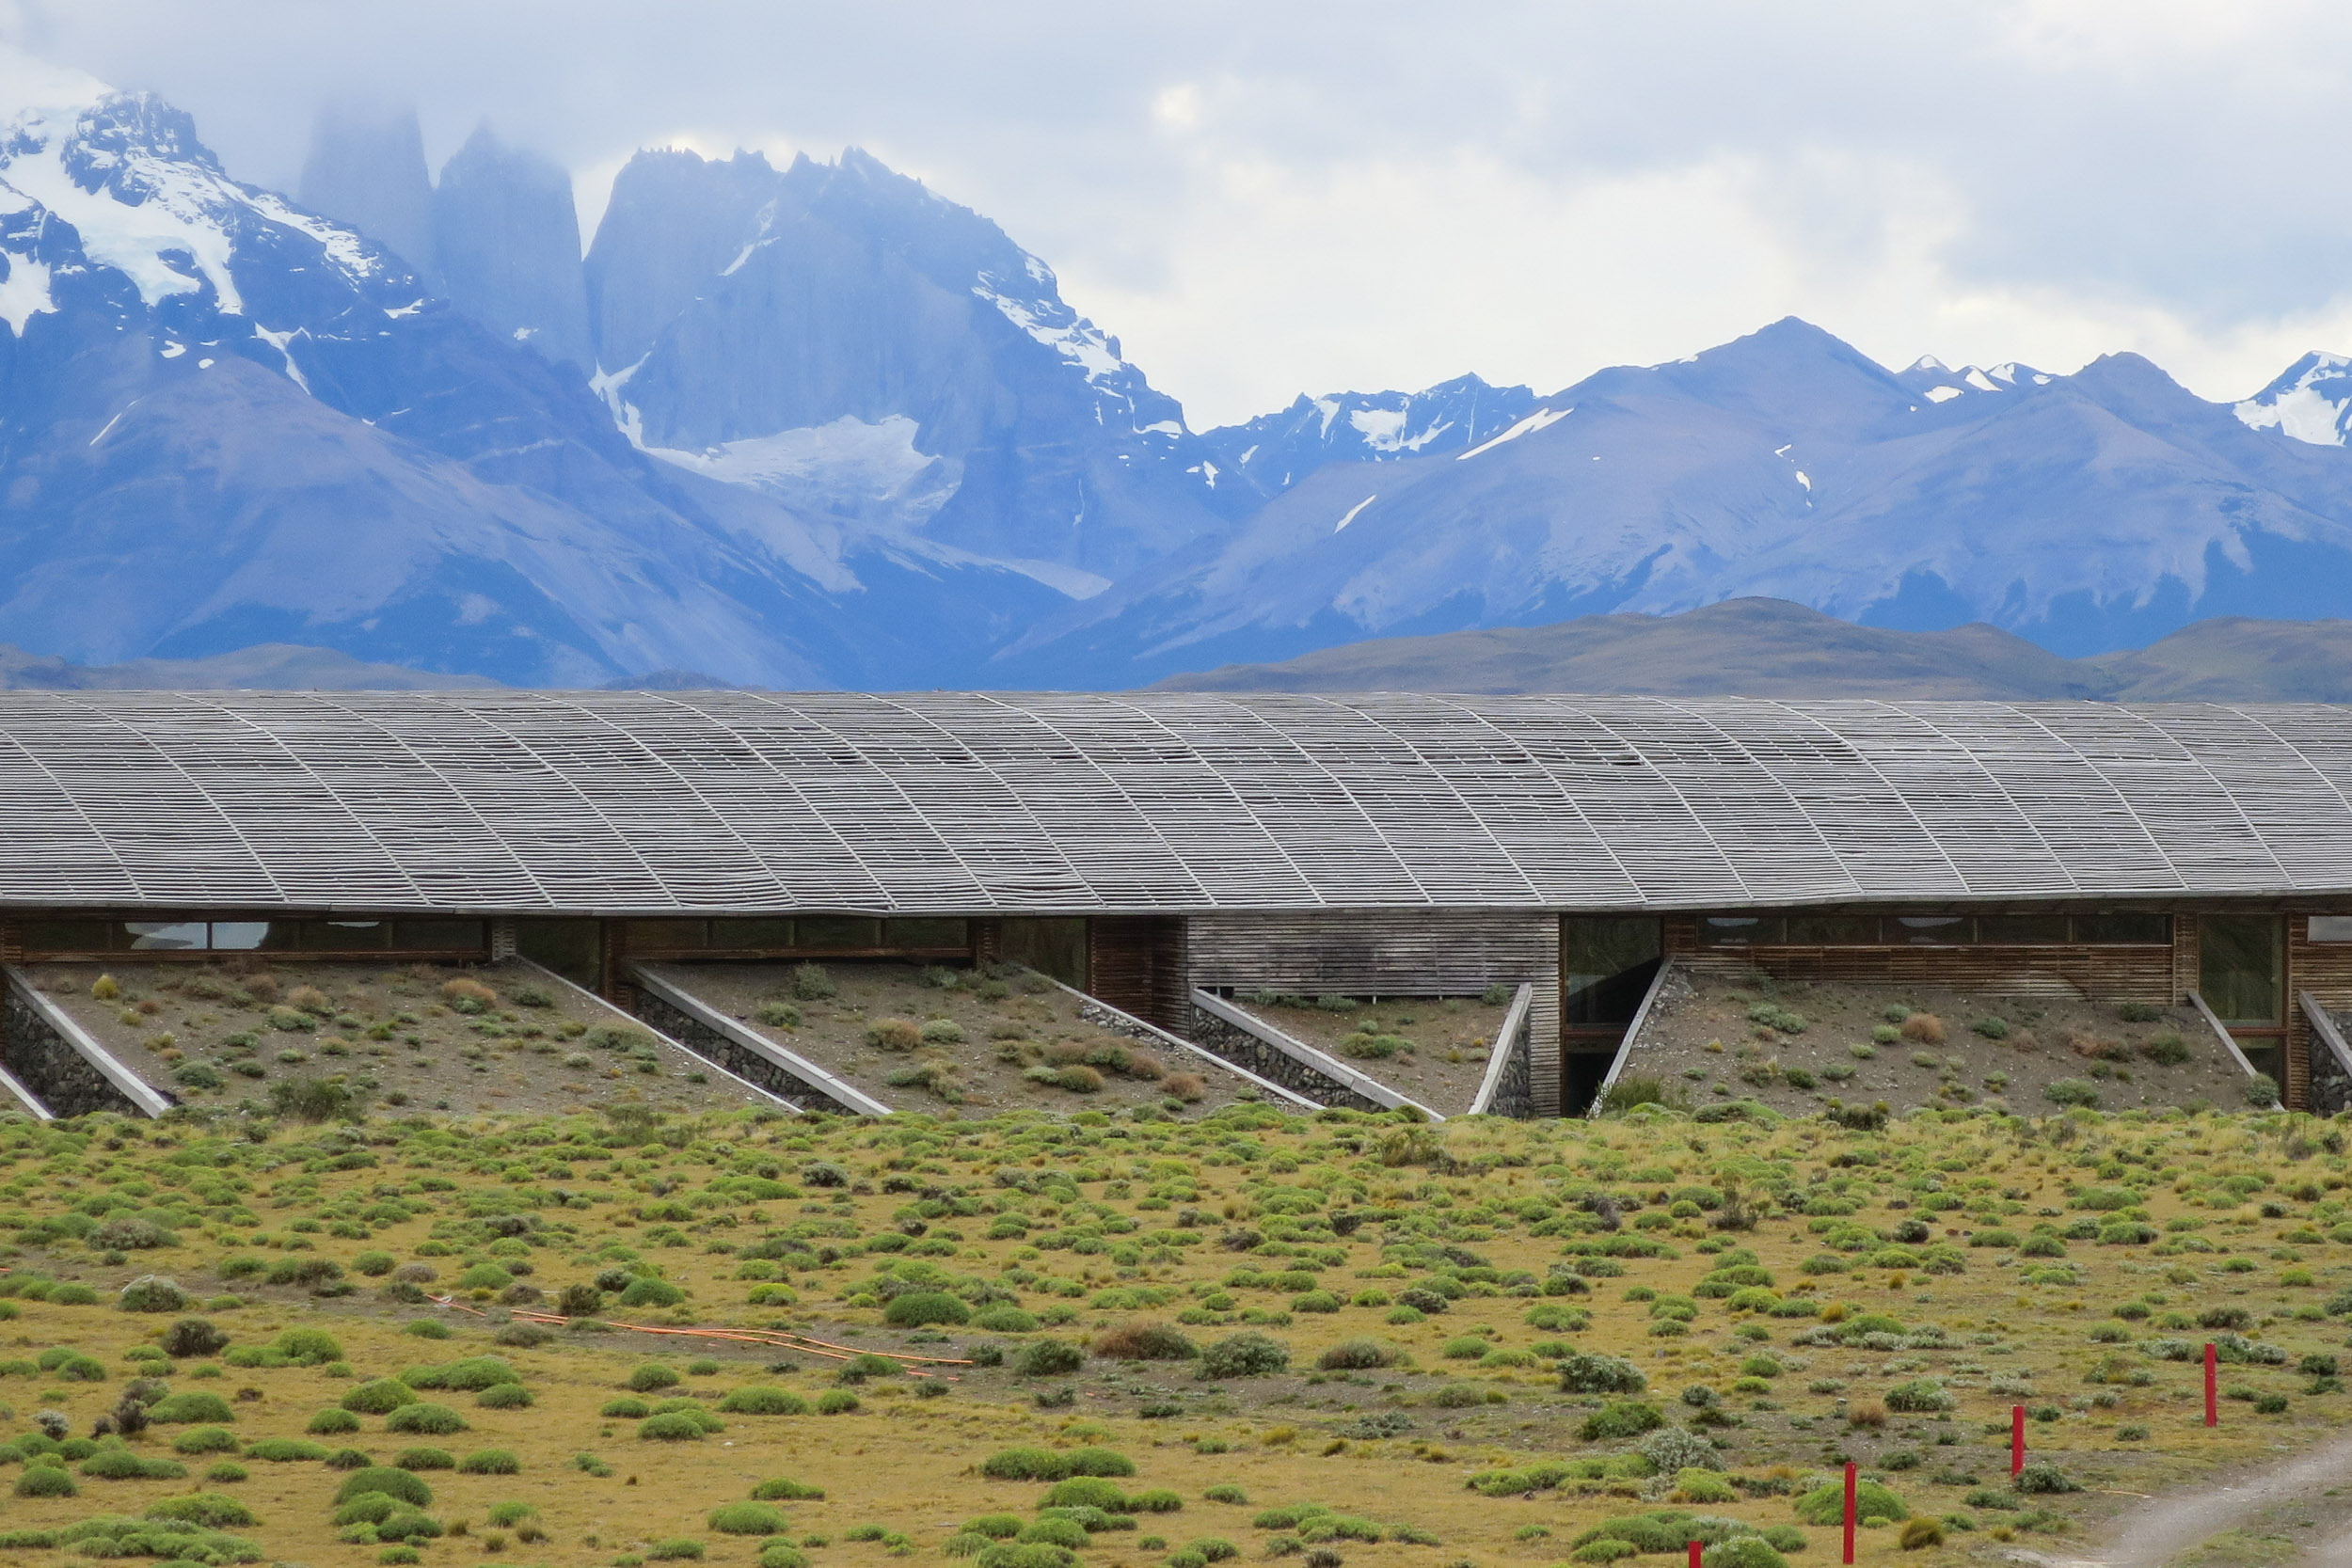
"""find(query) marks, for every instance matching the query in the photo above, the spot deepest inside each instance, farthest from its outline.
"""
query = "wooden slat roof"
(972, 804)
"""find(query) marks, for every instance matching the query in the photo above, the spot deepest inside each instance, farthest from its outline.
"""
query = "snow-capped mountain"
(226, 420)
(1274, 451)
(750, 322)
(2086, 512)
(2312, 401)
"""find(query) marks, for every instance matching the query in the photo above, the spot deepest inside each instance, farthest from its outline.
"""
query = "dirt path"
(2297, 1512)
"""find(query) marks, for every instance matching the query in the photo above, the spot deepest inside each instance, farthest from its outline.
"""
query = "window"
(67, 936)
(927, 933)
(440, 936)
(1832, 930)
(752, 934)
(2240, 969)
(2330, 927)
(2022, 931)
(1606, 966)
(1741, 931)
(2124, 927)
(838, 933)
(151, 936)
(1929, 930)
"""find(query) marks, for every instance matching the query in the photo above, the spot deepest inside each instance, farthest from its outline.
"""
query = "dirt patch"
(1430, 1049)
(1796, 1046)
(463, 1039)
(931, 1039)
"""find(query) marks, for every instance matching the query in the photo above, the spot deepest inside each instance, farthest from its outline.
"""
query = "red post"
(2212, 1384)
(1850, 1477)
(2016, 1438)
(1695, 1555)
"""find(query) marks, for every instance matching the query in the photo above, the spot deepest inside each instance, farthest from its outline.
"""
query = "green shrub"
(1585, 1373)
(675, 1427)
(1356, 1354)
(122, 1464)
(1006, 1320)
(306, 1347)
(399, 1485)
(785, 1490)
(331, 1421)
(426, 1421)
(752, 1519)
(651, 1377)
(1826, 1505)
(490, 1461)
(1085, 1492)
(1048, 1358)
(1620, 1418)
(2042, 1477)
(506, 1396)
(647, 1292)
(379, 1397)
(676, 1549)
(1244, 1356)
(759, 1400)
(626, 1408)
(46, 1481)
(782, 1554)
(198, 1440)
(2071, 1091)
(836, 1402)
(1743, 1551)
(922, 1308)
(208, 1509)
(190, 1407)
(285, 1451)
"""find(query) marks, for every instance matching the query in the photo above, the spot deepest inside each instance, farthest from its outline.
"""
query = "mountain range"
(818, 425)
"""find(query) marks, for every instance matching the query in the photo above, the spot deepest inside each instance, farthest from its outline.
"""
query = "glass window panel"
(239, 936)
(2238, 968)
(751, 933)
(345, 936)
(1606, 968)
(1929, 930)
(2124, 927)
(2331, 927)
(151, 936)
(664, 936)
(2022, 931)
(1054, 947)
(1741, 931)
(69, 935)
(1834, 930)
(844, 933)
(438, 936)
(572, 949)
(926, 933)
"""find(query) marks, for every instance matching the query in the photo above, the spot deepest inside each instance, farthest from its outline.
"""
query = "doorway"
(1607, 963)
(2241, 973)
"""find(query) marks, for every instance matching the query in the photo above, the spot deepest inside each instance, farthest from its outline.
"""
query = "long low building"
(1156, 849)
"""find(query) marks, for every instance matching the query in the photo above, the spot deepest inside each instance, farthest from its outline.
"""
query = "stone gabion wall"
(1515, 1092)
(62, 1077)
(1245, 1050)
(2331, 1086)
(708, 1043)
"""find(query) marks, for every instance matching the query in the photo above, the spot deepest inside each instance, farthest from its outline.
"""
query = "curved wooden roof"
(970, 803)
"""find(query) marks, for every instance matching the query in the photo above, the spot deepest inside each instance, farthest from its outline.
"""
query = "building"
(1164, 851)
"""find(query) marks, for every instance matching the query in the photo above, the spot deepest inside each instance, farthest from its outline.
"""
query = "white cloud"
(1267, 199)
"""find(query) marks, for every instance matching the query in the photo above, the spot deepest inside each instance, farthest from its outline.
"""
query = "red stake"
(1695, 1555)
(2212, 1404)
(2016, 1438)
(1850, 1511)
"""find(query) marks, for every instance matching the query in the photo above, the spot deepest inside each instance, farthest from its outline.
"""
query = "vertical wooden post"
(1695, 1555)
(1850, 1488)
(2213, 1387)
(2016, 1438)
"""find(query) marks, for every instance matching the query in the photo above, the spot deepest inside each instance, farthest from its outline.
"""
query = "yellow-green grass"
(1106, 1204)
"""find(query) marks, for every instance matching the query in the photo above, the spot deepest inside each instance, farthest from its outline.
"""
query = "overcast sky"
(1266, 198)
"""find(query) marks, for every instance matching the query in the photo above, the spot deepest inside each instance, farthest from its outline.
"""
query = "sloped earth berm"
(1431, 1049)
(1715, 1037)
(933, 1039)
(465, 1040)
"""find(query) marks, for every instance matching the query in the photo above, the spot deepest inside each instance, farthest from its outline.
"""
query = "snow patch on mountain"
(2312, 401)
(1528, 426)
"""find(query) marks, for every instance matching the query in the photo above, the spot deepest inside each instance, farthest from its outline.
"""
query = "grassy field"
(1479, 1343)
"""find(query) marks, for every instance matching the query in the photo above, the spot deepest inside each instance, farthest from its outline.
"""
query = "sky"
(1263, 198)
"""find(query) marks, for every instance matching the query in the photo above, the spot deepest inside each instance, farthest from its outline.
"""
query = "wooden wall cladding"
(2325, 969)
(1396, 952)
(1136, 963)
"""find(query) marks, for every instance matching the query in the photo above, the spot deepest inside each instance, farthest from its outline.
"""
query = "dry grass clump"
(1923, 1029)
(894, 1034)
